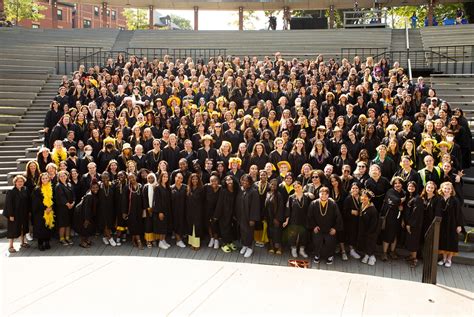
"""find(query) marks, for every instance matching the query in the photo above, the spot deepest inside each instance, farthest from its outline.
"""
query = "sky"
(220, 20)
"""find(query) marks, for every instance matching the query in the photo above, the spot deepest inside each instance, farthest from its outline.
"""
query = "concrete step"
(20, 88)
(22, 76)
(15, 102)
(19, 138)
(17, 111)
(9, 119)
(466, 258)
(16, 95)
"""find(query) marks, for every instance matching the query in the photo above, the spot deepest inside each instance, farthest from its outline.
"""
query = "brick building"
(80, 16)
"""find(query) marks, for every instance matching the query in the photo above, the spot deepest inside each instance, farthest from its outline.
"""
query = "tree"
(182, 23)
(441, 12)
(137, 19)
(250, 17)
(17, 10)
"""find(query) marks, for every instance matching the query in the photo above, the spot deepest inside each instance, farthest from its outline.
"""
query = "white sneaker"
(293, 252)
(211, 243)
(29, 237)
(163, 246)
(105, 240)
(248, 253)
(112, 242)
(181, 244)
(259, 244)
(243, 250)
(441, 262)
(216, 244)
(167, 244)
(118, 243)
(344, 256)
(372, 260)
(365, 259)
(303, 253)
(354, 254)
(447, 264)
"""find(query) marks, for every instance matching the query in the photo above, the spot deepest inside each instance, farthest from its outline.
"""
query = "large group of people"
(317, 157)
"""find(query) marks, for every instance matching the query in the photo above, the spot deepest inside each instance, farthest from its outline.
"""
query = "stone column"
(54, 13)
(150, 17)
(430, 12)
(241, 18)
(2, 6)
(331, 16)
(196, 18)
(104, 15)
(286, 18)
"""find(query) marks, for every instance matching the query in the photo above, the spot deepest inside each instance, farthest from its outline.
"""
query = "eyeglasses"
(346, 171)
(361, 166)
(314, 177)
(218, 126)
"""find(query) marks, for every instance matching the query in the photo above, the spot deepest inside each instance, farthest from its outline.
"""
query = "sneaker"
(365, 259)
(447, 264)
(354, 254)
(243, 250)
(303, 253)
(118, 243)
(64, 242)
(232, 246)
(211, 243)
(316, 260)
(216, 244)
(441, 262)
(372, 260)
(248, 253)
(259, 244)
(29, 237)
(330, 260)
(293, 252)
(344, 256)
(69, 241)
(112, 242)
(181, 244)
(226, 248)
(167, 244)
(105, 240)
(163, 246)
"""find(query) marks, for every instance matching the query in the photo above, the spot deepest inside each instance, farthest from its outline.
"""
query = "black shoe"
(330, 260)
(41, 247)
(47, 246)
(316, 260)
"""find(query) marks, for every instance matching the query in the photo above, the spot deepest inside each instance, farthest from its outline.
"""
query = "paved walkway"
(458, 276)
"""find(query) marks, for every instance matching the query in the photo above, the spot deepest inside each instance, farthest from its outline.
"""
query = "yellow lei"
(47, 191)
(58, 156)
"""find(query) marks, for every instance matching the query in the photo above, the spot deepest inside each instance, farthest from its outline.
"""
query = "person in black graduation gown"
(408, 174)
(171, 153)
(178, 209)
(194, 211)
(106, 212)
(247, 212)
(207, 151)
(154, 156)
(211, 195)
(16, 211)
(296, 217)
(274, 213)
(43, 229)
(161, 208)
(413, 221)
(350, 219)
(85, 215)
(133, 210)
(64, 203)
(368, 227)
(392, 212)
(324, 219)
(121, 219)
(378, 185)
(224, 213)
(451, 224)
(387, 165)
(338, 194)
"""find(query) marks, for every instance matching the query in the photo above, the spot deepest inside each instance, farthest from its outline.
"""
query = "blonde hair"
(440, 191)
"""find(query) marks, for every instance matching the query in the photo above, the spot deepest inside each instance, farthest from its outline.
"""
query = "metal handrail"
(430, 252)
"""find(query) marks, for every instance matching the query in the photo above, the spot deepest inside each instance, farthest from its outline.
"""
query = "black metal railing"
(461, 58)
(67, 57)
(430, 252)
(362, 52)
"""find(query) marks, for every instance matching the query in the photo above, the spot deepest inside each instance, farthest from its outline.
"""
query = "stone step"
(18, 111)
(19, 138)
(15, 102)
(21, 82)
(22, 76)
(10, 152)
(9, 119)
(16, 95)
(20, 88)
(10, 164)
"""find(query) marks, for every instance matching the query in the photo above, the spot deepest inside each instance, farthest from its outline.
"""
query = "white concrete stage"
(138, 286)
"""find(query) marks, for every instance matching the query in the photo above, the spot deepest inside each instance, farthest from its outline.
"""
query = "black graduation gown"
(413, 217)
(63, 194)
(178, 209)
(274, 213)
(225, 214)
(134, 208)
(152, 159)
(387, 167)
(350, 221)
(171, 156)
(210, 203)
(260, 161)
(368, 230)
(120, 206)
(194, 211)
(296, 161)
(39, 228)
(451, 219)
(247, 209)
(162, 202)
(332, 218)
(17, 205)
(202, 155)
(276, 157)
(393, 216)
(379, 189)
(106, 213)
(412, 176)
(86, 210)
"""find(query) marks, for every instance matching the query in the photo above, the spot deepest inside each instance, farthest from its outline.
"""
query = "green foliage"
(182, 23)
(17, 10)
(441, 12)
(250, 17)
(137, 19)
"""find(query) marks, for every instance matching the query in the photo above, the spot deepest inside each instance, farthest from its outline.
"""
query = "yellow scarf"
(59, 155)
(47, 191)
(288, 188)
